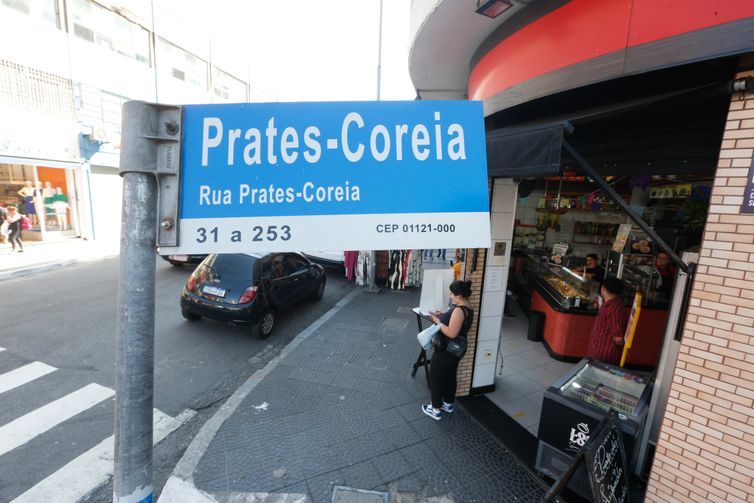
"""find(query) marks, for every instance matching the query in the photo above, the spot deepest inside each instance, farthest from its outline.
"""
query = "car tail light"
(191, 283)
(248, 295)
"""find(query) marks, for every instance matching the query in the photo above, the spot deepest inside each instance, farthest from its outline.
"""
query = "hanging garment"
(414, 269)
(393, 268)
(397, 269)
(406, 260)
(362, 265)
(350, 258)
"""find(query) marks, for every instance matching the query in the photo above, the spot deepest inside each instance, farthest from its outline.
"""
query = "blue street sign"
(341, 175)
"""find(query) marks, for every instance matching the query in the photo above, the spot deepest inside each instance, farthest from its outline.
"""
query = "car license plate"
(179, 258)
(213, 290)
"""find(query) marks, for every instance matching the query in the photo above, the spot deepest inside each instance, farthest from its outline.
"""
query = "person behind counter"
(606, 340)
(592, 270)
(666, 274)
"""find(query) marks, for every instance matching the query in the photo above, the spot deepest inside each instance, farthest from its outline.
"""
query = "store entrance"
(567, 237)
(619, 197)
(45, 195)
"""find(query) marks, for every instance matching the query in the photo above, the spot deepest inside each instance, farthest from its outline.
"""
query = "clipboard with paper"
(435, 295)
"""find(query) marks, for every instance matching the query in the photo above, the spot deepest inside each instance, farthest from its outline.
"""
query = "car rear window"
(235, 264)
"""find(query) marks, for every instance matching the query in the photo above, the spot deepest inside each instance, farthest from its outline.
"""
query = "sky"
(315, 50)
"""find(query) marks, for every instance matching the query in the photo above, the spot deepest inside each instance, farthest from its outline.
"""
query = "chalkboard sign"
(606, 463)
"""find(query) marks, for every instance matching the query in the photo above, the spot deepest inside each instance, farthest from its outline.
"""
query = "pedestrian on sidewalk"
(14, 229)
(441, 251)
(454, 325)
(3, 223)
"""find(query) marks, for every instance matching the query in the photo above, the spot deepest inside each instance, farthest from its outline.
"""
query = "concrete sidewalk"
(338, 409)
(40, 256)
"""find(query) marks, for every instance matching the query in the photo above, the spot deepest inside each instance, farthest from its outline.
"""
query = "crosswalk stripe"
(25, 428)
(23, 375)
(2, 349)
(92, 469)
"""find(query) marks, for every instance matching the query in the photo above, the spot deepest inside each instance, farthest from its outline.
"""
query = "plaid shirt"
(611, 321)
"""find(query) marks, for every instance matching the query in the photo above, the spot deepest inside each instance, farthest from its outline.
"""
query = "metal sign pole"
(372, 269)
(141, 161)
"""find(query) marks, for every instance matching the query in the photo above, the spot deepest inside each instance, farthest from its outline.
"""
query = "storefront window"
(13, 177)
(45, 195)
(39, 9)
(181, 65)
(107, 29)
(227, 87)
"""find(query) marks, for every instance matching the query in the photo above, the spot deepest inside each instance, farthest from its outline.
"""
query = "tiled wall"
(473, 271)
(705, 450)
(477, 369)
(502, 217)
(466, 366)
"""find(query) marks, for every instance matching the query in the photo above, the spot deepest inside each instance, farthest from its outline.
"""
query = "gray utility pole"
(149, 152)
(372, 272)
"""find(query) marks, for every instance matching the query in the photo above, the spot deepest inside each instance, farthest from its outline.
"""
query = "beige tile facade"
(466, 366)
(705, 452)
(473, 271)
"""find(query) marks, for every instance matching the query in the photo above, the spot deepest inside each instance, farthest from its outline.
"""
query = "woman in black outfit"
(14, 229)
(442, 372)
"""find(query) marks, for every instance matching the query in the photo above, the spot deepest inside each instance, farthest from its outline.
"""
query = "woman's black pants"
(442, 378)
(14, 237)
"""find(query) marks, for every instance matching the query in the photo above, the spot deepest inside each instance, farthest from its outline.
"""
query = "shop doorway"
(557, 226)
(57, 199)
(46, 195)
(660, 155)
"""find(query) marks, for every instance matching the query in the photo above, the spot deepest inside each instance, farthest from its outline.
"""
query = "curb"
(17, 273)
(180, 487)
(49, 266)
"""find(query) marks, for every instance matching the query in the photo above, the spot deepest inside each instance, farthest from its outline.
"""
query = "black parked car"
(250, 289)
(179, 260)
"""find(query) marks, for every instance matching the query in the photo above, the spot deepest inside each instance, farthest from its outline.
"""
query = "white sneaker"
(428, 410)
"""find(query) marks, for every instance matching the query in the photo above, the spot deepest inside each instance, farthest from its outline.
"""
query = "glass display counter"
(605, 387)
(638, 273)
(565, 289)
(569, 304)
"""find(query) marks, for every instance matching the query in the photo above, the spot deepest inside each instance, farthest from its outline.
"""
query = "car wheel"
(263, 329)
(319, 291)
(175, 264)
(190, 316)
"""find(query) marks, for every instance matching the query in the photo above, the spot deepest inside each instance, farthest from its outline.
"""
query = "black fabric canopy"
(678, 131)
(529, 151)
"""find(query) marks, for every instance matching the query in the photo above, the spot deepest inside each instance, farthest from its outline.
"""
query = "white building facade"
(66, 67)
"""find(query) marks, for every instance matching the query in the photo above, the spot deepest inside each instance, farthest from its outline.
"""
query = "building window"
(181, 65)
(99, 109)
(228, 87)
(109, 30)
(39, 9)
(25, 87)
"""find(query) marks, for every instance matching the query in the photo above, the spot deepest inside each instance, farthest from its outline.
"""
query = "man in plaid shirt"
(606, 340)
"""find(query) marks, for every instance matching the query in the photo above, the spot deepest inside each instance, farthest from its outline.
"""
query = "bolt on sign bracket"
(158, 151)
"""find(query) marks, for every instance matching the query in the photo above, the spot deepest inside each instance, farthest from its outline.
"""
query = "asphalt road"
(65, 320)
